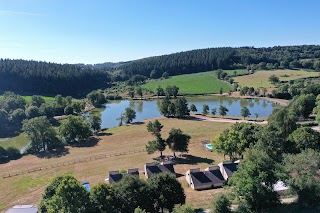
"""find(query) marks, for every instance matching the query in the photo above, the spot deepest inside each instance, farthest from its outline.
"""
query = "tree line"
(162, 192)
(201, 60)
(33, 77)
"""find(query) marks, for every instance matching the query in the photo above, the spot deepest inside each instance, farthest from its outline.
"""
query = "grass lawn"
(17, 141)
(28, 98)
(28, 188)
(191, 84)
(260, 78)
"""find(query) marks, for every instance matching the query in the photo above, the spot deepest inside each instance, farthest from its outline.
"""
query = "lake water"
(150, 108)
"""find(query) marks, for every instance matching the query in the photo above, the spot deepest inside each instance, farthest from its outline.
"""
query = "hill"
(201, 60)
(32, 77)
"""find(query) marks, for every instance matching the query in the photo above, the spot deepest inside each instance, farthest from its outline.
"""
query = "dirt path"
(227, 120)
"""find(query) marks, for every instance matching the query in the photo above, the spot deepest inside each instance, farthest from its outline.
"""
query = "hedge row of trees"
(162, 192)
(14, 109)
(44, 78)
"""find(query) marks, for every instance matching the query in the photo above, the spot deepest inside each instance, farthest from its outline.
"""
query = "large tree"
(74, 129)
(159, 144)
(41, 134)
(95, 123)
(65, 194)
(193, 108)
(220, 204)
(178, 141)
(223, 110)
(254, 180)
(245, 112)
(301, 173)
(129, 115)
(305, 138)
(167, 191)
(181, 108)
(103, 198)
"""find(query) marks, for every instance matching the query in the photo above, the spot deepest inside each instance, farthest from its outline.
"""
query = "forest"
(283, 57)
(32, 77)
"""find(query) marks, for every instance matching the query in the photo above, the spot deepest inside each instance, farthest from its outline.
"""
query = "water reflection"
(150, 109)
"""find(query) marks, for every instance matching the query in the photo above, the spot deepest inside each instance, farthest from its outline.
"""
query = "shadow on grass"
(105, 134)
(192, 160)
(294, 208)
(91, 142)
(191, 118)
(57, 153)
(138, 123)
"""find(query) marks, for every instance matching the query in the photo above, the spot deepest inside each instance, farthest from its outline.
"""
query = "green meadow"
(197, 83)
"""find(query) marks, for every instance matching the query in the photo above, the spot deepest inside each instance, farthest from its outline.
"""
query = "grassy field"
(17, 141)
(197, 83)
(260, 78)
(28, 188)
(28, 98)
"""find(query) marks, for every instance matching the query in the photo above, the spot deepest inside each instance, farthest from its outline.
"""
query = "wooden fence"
(98, 157)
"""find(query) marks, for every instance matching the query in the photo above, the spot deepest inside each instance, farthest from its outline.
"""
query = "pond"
(148, 109)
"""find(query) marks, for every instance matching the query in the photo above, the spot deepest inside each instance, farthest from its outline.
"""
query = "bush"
(220, 204)
(3, 153)
(13, 153)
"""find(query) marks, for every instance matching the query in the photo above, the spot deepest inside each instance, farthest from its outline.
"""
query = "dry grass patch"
(28, 188)
(260, 78)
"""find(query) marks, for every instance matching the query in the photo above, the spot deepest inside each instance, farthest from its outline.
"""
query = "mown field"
(28, 187)
(260, 78)
(28, 98)
(197, 83)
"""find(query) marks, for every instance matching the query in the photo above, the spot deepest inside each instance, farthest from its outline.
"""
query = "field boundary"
(98, 157)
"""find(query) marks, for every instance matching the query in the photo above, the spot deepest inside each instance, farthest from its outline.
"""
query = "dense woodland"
(225, 58)
(31, 77)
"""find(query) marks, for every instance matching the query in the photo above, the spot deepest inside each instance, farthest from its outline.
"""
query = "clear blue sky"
(92, 31)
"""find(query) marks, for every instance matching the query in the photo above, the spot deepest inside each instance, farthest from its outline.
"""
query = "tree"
(131, 93)
(223, 110)
(219, 72)
(159, 144)
(95, 123)
(120, 119)
(3, 153)
(231, 142)
(301, 173)
(305, 138)
(37, 100)
(193, 108)
(220, 204)
(205, 109)
(245, 112)
(174, 91)
(153, 74)
(167, 191)
(165, 75)
(13, 152)
(254, 180)
(132, 193)
(178, 141)
(235, 73)
(181, 108)
(214, 111)
(168, 91)
(41, 134)
(257, 115)
(273, 79)
(65, 194)
(77, 106)
(68, 110)
(74, 129)
(129, 115)
(221, 91)
(11, 102)
(303, 105)
(264, 91)
(32, 112)
(17, 116)
(164, 107)
(139, 91)
(103, 198)
(244, 90)
(3, 120)
(183, 209)
(160, 91)
(96, 98)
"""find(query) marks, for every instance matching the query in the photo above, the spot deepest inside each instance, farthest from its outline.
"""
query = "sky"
(97, 31)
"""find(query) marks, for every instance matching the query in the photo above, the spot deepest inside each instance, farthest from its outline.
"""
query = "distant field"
(29, 187)
(197, 83)
(260, 78)
(28, 98)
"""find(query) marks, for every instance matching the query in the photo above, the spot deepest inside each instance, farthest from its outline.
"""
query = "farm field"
(260, 78)
(197, 83)
(28, 98)
(28, 187)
